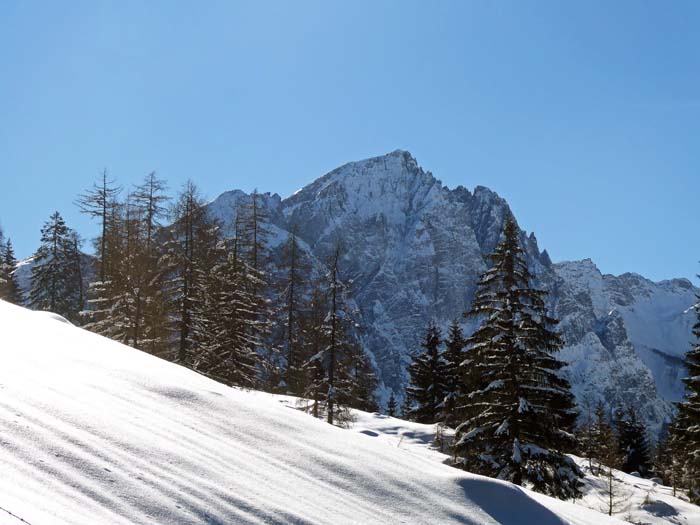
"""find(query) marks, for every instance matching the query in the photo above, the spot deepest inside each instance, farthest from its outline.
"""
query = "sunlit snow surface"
(93, 432)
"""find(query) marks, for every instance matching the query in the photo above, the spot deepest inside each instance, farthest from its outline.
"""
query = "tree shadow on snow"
(507, 504)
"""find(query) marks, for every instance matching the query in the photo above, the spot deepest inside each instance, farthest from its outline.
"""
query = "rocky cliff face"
(414, 249)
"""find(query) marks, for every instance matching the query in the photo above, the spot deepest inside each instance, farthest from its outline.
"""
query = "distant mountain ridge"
(415, 248)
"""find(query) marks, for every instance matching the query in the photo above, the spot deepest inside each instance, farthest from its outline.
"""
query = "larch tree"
(292, 281)
(149, 202)
(97, 202)
(189, 254)
(226, 351)
(330, 370)
(517, 419)
(253, 234)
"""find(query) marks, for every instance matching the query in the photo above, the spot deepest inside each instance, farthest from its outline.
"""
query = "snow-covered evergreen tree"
(362, 381)
(55, 281)
(9, 289)
(633, 442)
(687, 426)
(428, 370)
(517, 423)
(453, 356)
(392, 406)
(668, 458)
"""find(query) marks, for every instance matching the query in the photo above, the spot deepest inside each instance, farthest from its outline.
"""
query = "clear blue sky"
(584, 115)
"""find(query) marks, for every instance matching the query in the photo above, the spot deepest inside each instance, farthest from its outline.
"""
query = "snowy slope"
(414, 249)
(94, 432)
(637, 500)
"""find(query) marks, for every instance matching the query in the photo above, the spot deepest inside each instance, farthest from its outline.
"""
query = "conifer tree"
(668, 458)
(189, 255)
(97, 202)
(604, 445)
(252, 235)
(226, 351)
(362, 381)
(335, 332)
(453, 356)
(687, 427)
(292, 281)
(518, 421)
(332, 383)
(55, 274)
(633, 443)
(108, 309)
(9, 288)
(391, 407)
(427, 390)
(149, 201)
(312, 369)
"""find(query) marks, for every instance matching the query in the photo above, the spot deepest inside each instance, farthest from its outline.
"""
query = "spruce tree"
(687, 428)
(632, 442)
(453, 356)
(56, 274)
(361, 380)
(517, 420)
(9, 288)
(604, 445)
(391, 407)
(427, 390)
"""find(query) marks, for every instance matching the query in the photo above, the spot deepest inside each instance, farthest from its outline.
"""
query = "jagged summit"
(415, 249)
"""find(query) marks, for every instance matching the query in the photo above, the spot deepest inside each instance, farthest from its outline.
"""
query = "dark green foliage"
(686, 431)
(427, 390)
(56, 276)
(518, 411)
(633, 443)
(9, 289)
(392, 407)
(453, 357)
(668, 459)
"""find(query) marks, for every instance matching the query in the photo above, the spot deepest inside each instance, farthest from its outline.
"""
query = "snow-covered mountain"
(414, 249)
(94, 432)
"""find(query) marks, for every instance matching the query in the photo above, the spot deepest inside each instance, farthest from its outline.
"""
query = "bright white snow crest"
(94, 432)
